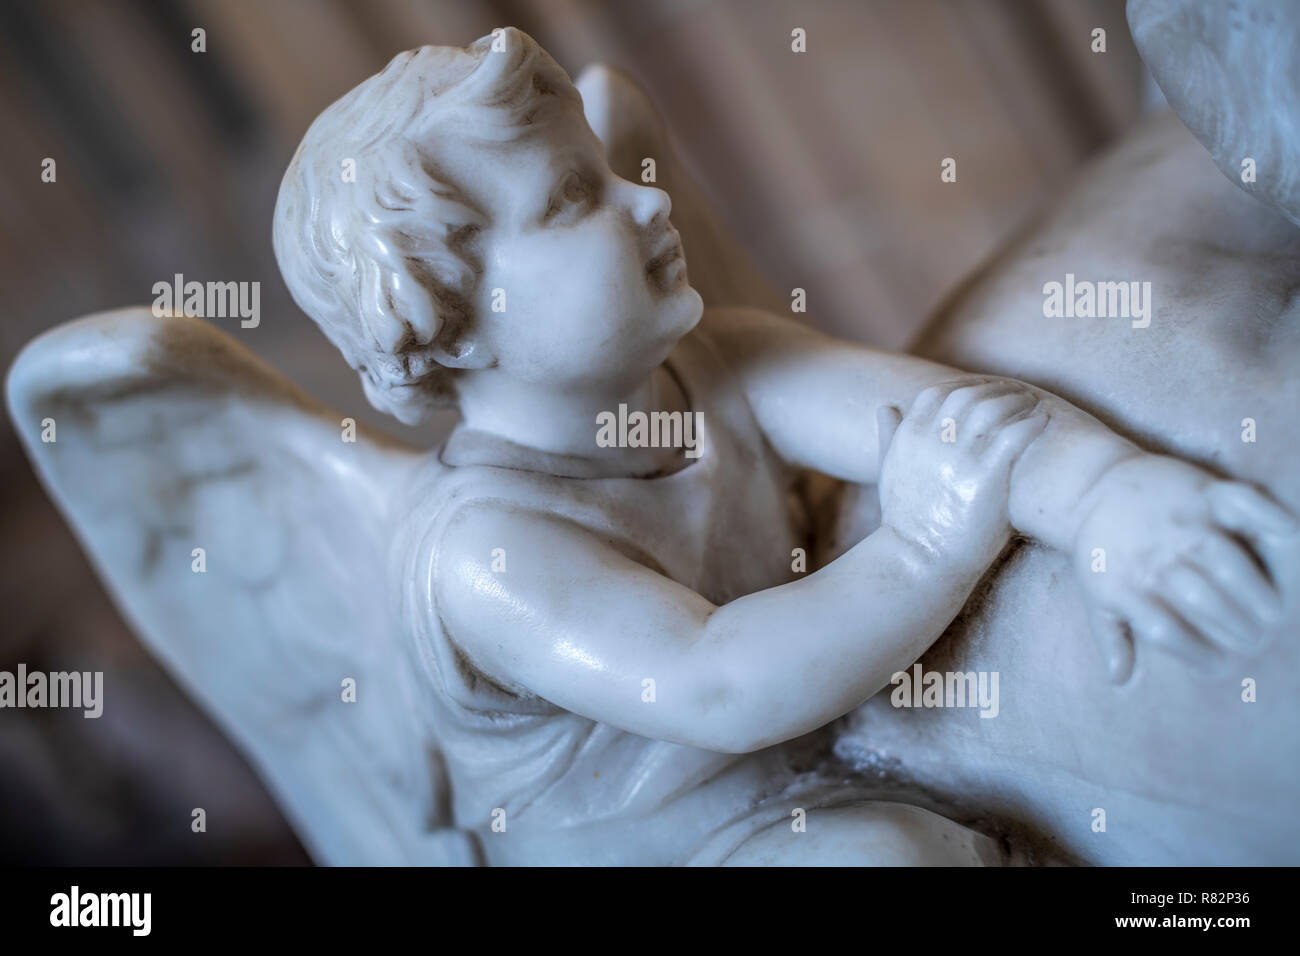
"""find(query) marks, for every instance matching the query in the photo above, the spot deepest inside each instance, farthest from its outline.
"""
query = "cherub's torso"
(725, 525)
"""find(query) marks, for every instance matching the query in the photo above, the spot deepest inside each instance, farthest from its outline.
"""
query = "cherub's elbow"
(741, 740)
(729, 719)
(723, 742)
(746, 744)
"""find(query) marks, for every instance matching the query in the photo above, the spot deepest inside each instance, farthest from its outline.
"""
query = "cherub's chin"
(697, 307)
(687, 307)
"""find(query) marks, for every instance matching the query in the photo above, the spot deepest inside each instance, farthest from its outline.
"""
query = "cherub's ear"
(410, 306)
(412, 303)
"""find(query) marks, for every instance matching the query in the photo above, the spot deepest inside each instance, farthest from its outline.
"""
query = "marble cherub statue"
(552, 649)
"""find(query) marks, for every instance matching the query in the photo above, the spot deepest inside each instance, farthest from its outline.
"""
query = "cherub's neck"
(564, 425)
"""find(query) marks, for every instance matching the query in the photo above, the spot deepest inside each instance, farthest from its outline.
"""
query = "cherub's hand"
(1171, 556)
(946, 468)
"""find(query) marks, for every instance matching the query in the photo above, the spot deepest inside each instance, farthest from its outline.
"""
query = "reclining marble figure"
(537, 645)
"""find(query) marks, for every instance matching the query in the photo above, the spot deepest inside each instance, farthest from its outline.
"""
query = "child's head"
(455, 213)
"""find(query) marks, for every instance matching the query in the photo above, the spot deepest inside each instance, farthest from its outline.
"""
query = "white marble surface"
(502, 602)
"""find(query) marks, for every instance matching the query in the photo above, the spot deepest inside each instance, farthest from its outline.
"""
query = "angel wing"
(158, 437)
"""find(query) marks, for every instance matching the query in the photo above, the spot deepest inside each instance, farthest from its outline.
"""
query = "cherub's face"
(584, 278)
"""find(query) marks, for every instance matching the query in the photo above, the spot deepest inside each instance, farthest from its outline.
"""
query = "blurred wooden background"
(825, 164)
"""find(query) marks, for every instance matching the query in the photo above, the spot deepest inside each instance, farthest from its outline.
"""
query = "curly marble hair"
(374, 243)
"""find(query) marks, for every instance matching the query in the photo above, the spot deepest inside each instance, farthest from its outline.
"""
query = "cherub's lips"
(669, 249)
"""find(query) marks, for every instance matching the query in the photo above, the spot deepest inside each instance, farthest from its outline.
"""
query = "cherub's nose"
(648, 204)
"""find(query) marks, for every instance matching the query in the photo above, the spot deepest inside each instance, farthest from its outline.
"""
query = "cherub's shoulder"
(447, 489)
(742, 319)
(441, 501)
(454, 546)
(740, 332)
(743, 343)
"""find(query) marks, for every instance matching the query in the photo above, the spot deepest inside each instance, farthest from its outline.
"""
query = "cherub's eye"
(575, 190)
(572, 196)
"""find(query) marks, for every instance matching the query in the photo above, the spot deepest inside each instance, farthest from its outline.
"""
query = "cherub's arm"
(1177, 573)
(816, 399)
(580, 624)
